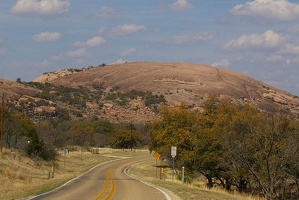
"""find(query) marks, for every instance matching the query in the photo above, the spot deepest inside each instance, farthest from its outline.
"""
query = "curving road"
(108, 181)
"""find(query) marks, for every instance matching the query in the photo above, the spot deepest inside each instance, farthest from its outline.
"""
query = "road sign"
(173, 151)
(156, 155)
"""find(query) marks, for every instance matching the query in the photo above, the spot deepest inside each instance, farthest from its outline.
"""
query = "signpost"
(183, 175)
(65, 151)
(173, 155)
(156, 156)
(173, 151)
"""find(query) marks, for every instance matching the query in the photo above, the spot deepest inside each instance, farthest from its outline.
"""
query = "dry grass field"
(195, 191)
(21, 177)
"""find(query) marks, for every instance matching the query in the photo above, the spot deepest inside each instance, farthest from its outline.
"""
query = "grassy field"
(195, 191)
(21, 177)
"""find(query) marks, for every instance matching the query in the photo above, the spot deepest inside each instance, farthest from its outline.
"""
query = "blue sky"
(255, 37)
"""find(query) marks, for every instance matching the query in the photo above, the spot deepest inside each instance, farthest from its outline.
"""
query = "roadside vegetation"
(22, 177)
(41, 138)
(234, 147)
(196, 190)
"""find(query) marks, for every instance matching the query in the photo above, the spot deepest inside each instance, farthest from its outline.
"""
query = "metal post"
(156, 168)
(64, 154)
(161, 169)
(183, 176)
(53, 170)
(172, 168)
(173, 154)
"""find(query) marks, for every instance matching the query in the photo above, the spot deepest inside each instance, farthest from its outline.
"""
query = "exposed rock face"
(177, 82)
(184, 82)
(13, 89)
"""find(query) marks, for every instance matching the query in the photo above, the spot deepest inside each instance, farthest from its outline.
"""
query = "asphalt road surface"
(108, 181)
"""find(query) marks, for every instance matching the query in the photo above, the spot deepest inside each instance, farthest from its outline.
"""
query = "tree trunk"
(228, 185)
(210, 182)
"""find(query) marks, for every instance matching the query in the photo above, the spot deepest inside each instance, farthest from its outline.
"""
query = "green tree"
(210, 152)
(12, 129)
(81, 133)
(102, 126)
(264, 146)
(61, 133)
(174, 128)
(103, 130)
(125, 139)
(233, 145)
(35, 146)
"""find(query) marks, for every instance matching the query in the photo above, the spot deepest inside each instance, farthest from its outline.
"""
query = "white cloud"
(128, 52)
(157, 30)
(273, 58)
(268, 39)
(106, 12)
(47, 37)
(188, 38)
(79, 61)
(93, 42)
(268, 9)
(44, 63)
(180, 5)
(289, 49)
(119, 61)
(101, 30)
(221, 63)
(57, 57)
(40, 7)
(291, 61)
(127, 29)
(76, 53)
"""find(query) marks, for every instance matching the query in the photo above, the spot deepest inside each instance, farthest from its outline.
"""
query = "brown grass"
(21, 177)
(196, 191)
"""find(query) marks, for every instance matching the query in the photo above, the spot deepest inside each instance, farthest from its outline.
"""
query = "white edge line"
(144, 182)
(29, 198)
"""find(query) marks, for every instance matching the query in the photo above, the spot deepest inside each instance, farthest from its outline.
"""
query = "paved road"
(109, 181)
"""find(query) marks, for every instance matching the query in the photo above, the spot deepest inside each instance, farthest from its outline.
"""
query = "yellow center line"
(109, 181)
(112, 189)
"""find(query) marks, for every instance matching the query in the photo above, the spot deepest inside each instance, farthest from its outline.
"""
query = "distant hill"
(175, 82)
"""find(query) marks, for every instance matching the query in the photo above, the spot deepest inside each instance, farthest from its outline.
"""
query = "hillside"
(13, 89)
(181, 82)
(132, 92)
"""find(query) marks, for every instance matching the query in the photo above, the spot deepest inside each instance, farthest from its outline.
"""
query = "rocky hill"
(118, 92)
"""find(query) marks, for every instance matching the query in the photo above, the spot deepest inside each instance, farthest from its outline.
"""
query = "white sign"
(173, 151)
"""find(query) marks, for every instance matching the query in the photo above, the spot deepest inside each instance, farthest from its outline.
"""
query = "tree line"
(43, 137)
(231, 145)
(234, 146)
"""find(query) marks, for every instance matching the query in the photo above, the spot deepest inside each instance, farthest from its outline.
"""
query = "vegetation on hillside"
(67, 120)
(41, 138)
(71, 103)
(233, 146)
